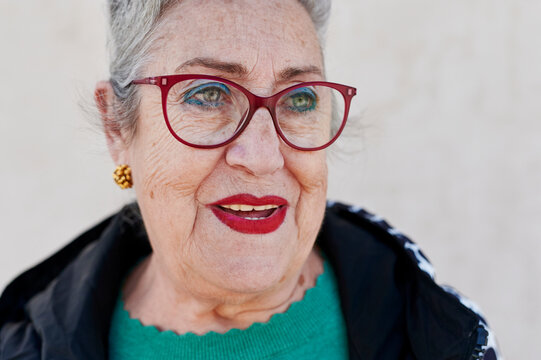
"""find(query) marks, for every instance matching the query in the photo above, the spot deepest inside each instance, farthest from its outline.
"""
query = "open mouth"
(248, 214)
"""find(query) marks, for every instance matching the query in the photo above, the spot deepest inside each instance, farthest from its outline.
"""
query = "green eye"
(211, 95)
(301, 100)
(207, 95)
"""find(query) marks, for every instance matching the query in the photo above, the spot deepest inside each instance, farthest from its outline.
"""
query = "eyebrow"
(291, 72)
(227, 67)
(241, 71)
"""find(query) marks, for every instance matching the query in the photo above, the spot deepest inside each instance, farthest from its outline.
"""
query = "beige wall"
(449, 93)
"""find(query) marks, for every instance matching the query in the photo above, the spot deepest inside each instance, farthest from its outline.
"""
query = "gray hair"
(132, 26)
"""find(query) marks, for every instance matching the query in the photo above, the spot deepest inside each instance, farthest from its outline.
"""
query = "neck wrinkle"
(148, 298)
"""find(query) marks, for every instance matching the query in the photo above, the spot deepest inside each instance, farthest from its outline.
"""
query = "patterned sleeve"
(488, 351)
(491, 349)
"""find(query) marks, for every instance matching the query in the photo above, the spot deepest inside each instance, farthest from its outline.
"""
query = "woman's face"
(264, 46)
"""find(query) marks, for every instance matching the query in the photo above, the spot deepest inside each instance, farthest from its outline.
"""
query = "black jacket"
(61, 308)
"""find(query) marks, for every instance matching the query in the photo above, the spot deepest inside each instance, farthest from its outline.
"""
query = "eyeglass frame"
(166, 82)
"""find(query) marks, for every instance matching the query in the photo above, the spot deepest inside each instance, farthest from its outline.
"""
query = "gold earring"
(122, 176)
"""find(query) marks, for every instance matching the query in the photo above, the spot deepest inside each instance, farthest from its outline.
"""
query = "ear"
(116, 137)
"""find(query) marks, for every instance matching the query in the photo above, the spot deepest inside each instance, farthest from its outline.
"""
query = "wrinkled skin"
(202, 275)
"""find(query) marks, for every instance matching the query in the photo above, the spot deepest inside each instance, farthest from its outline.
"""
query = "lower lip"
(248, 226)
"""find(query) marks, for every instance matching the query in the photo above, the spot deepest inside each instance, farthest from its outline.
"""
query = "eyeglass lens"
(209, 112)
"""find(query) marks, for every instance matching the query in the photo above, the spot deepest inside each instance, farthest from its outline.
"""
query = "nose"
(257, 150)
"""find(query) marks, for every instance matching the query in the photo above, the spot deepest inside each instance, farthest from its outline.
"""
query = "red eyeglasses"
(207, 111)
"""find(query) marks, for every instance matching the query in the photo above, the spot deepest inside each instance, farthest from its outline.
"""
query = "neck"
(152, 298)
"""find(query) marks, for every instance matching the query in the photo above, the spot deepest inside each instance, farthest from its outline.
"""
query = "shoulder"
(350, 230)
(20, 290)
(78, 281)
(19, 325)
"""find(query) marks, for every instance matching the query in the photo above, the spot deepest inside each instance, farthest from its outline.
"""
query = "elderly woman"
(218, 114)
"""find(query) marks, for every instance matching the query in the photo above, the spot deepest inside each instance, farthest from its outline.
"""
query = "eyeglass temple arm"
(149, 80)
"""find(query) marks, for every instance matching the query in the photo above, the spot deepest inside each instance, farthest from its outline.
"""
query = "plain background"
(449, 102)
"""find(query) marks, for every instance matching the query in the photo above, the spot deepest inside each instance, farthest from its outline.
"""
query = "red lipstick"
(263, 220)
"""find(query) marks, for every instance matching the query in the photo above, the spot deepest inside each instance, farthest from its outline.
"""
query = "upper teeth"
(243, 207)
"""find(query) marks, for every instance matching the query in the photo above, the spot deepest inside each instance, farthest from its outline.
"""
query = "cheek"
(167, 177)
(165, 169)
(310, 170)
(173, 172)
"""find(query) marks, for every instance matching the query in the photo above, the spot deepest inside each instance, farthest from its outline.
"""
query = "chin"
(249, 275)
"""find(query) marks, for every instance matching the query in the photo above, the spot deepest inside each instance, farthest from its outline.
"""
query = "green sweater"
(312, 328)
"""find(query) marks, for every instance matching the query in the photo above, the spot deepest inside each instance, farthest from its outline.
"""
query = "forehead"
(264, 36)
